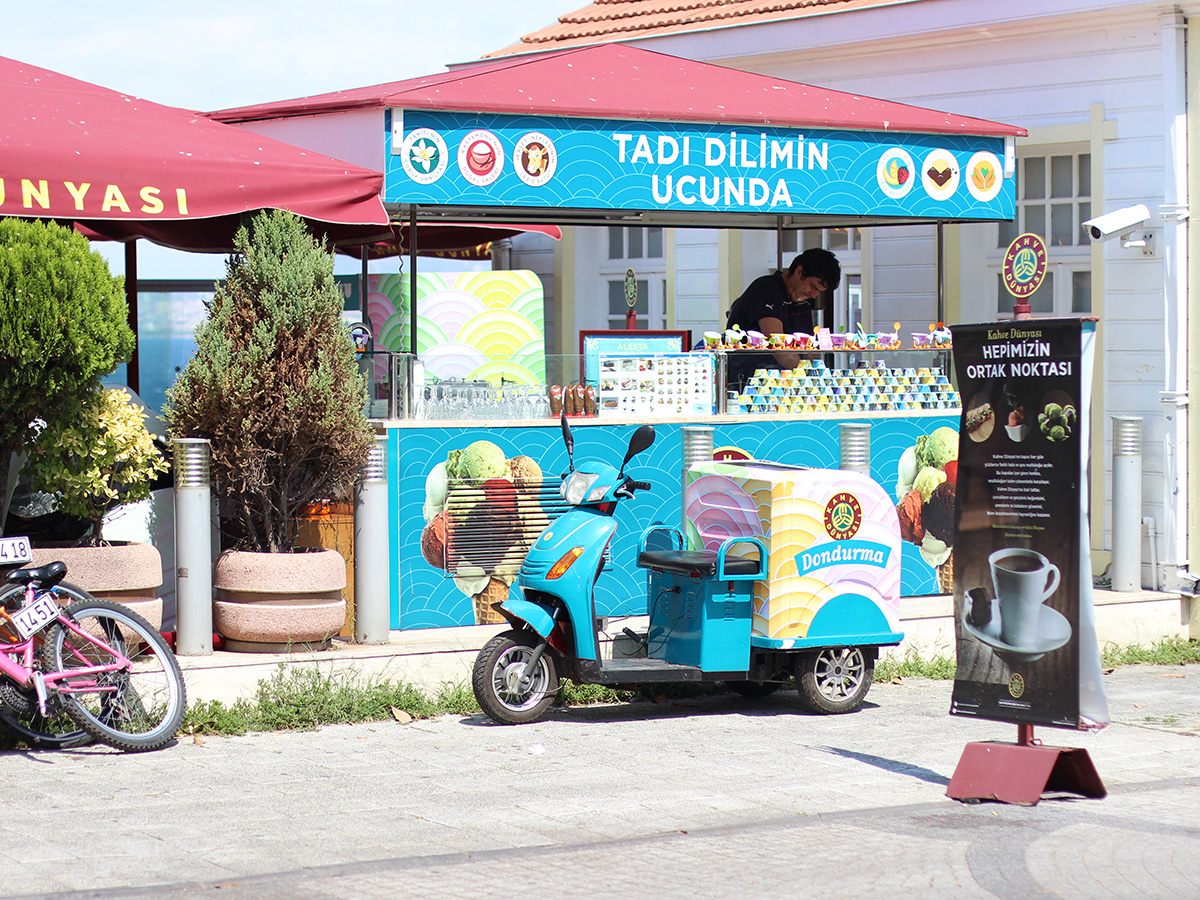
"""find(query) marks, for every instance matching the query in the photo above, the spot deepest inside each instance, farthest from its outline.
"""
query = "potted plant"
(275, 387)
(92, 462)
(65, 326)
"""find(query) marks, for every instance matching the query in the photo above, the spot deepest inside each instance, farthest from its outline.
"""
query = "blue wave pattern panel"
(425, 597)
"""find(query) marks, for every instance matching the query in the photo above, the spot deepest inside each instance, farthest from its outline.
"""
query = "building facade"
(1107, 92)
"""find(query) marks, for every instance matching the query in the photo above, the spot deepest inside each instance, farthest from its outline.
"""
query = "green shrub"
(63, 326)
(98, 459)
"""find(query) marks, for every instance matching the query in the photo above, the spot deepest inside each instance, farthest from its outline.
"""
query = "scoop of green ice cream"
(936, 449)
(477, 463)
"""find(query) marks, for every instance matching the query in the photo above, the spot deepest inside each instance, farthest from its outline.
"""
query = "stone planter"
(279, 602)
(129, 573)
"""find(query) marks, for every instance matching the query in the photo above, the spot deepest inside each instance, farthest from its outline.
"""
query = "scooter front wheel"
(500, 684)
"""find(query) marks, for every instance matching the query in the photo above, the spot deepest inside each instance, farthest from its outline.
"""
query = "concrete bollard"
(193, 548)
(855, 441)
(1127, 503)
(372, 560)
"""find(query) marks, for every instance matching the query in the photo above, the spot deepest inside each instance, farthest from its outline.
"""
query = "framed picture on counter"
(638, 342)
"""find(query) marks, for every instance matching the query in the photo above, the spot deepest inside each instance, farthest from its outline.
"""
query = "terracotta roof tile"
(624, 20)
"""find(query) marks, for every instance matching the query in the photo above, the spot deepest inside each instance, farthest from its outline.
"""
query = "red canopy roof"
(618, 81)
(126, 168)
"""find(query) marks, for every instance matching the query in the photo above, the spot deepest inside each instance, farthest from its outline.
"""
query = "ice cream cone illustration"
(487, 602)
(945, 575)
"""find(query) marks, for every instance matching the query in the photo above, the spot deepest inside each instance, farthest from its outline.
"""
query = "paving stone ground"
(716, 798)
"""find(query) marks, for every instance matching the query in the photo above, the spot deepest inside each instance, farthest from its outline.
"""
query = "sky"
(215, 54)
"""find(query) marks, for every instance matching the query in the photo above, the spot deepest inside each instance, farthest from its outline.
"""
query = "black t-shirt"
(766, 298)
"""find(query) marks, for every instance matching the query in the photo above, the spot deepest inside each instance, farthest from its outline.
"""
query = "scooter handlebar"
(638, 485)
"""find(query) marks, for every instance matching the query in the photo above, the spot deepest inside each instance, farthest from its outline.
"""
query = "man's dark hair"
(818, 262)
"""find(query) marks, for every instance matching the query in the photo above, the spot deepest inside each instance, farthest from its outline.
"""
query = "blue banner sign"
(475, 159)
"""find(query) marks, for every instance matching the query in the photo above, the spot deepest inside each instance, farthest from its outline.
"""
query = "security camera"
(1121, 221)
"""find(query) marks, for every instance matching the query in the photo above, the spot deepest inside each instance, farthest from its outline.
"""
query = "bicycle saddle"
(43, 576)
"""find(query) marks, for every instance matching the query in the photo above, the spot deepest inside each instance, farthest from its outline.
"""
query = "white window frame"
(1063, 260)
(652, 270)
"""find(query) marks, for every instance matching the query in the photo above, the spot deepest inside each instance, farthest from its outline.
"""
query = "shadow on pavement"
(891, 765)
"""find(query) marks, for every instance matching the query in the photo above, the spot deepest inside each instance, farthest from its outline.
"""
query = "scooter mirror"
(568, 440)
(642, 438)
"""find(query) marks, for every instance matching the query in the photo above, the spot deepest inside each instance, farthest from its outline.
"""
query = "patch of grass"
(1170, 651)
(1162, 720)
(572, 694)
(912, 665)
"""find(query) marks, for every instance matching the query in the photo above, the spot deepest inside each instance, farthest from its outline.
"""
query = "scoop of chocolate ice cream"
(938, 514)
(909, 512)
(434, 539)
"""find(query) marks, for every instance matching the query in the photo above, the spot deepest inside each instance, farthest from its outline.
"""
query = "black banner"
(1022, 578)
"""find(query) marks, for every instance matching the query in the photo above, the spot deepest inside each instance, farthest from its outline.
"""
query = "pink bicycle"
(90, 670)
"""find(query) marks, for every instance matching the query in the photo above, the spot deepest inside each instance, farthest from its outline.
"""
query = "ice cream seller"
(780, 303)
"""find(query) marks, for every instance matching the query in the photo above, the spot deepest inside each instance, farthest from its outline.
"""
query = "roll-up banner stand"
(1024, 622)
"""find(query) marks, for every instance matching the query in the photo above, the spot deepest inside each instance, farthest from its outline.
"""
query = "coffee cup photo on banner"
(1023, 577)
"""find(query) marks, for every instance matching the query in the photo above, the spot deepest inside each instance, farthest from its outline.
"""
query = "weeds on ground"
(306, 697)
(911, 665)
(1170, 651)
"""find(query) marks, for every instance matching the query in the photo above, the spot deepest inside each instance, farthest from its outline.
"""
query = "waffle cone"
(488, 601)
(945, 575)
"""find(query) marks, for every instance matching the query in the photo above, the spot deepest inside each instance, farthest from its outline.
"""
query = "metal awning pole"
(412, 279)
(362, 284)
(941, 276)
(132, 373)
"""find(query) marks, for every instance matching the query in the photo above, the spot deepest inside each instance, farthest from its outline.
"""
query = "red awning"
(618, 81)
(127, 168)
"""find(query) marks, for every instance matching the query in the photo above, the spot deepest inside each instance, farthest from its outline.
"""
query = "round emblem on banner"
(895, 173)
(535, 159)
(939, 174)
(843, 515)
(1016, 686)
(727, 453)
(423, 155)
(984, 176)
(480, 157)
(1025, 265)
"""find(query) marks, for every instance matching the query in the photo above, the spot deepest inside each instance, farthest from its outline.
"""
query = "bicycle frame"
(16, 661)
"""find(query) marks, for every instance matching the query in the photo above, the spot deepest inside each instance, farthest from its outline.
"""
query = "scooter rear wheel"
(835, 679)
(499, 671)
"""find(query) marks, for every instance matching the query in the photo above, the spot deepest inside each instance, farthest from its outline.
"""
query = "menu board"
(660, 384)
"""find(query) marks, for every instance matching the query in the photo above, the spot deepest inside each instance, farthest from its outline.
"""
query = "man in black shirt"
(780, 303)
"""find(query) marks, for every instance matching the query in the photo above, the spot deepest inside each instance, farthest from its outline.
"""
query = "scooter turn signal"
(560, 568)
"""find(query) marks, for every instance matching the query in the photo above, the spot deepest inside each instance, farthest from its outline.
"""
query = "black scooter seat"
(701, 563)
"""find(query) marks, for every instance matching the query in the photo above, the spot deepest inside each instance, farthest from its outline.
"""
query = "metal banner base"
(1020, 773)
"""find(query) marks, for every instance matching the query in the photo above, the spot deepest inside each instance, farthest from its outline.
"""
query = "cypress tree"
(274, 386)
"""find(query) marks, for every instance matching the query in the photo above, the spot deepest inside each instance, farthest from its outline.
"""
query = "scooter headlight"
(577, 487)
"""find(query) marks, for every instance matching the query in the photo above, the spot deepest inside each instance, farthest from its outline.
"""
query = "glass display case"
(668, 385)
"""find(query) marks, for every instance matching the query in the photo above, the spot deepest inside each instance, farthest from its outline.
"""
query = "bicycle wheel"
(139, 707)
(19, 712)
